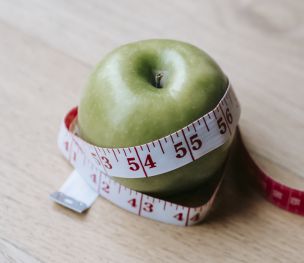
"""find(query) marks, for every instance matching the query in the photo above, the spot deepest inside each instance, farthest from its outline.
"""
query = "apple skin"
(121, 106)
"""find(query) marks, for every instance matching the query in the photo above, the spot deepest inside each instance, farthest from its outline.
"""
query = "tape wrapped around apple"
(146, 90)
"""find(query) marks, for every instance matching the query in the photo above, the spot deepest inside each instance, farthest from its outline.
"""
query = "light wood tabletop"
(48, 49)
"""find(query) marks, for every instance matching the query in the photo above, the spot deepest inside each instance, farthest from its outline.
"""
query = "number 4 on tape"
(75, 194)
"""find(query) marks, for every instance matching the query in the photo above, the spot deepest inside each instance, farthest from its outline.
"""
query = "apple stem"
(158, 78)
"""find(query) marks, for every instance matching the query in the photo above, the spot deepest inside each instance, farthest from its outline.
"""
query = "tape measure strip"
(90, 179)
(171, 152)
(279, 194)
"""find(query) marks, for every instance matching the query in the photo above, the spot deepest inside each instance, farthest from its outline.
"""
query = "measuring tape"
(94, 167)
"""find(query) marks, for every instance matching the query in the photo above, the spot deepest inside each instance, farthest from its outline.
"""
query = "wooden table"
(48, 48)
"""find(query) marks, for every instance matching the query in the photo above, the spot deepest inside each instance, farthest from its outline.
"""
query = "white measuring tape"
(94, 166)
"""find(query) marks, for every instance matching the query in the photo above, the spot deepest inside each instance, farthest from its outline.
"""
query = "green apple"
(146, 90)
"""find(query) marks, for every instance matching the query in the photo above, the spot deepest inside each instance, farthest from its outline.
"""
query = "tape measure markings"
(161, 147)
(205, 122)
(189, 149)
(277, 193)
(225, 118)
(142, 167)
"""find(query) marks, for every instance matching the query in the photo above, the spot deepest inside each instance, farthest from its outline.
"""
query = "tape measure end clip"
(69, 202)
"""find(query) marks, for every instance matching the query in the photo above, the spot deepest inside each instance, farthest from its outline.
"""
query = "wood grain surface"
(47, 50)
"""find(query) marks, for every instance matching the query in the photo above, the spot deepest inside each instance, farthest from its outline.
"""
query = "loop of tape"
(94, 167)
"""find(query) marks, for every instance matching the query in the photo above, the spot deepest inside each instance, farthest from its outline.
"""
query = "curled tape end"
(69, 202)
